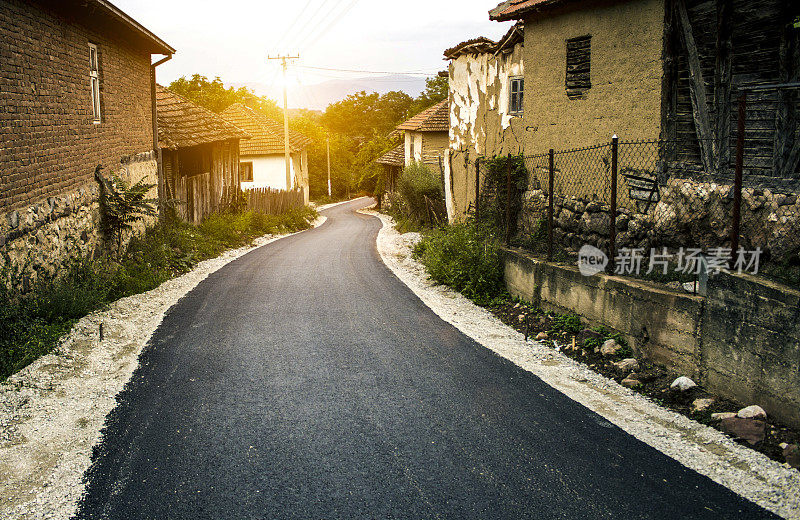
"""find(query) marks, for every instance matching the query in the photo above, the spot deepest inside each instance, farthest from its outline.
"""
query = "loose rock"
(752, 412)
(701, 405)
(610, 348)
(683, 384)
(750, 430)
(541, 336)
(626, 366)
(792, 455)
(630, 382)
(722, 415)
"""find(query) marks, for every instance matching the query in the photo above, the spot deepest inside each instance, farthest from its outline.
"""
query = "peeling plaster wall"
(626, 73)
(480, 124)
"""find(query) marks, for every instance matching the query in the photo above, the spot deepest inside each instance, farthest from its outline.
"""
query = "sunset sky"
(232, 39)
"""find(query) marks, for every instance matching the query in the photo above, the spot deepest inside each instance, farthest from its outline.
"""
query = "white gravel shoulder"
(772, 485)
(333, 204)
(51, 412)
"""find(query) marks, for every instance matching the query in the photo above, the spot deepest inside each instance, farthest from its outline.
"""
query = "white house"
(426, 135)
(262, 162)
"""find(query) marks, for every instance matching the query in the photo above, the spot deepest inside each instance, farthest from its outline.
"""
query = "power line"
(409, 73)
(315, 21)
(291, 25)
(332, 23)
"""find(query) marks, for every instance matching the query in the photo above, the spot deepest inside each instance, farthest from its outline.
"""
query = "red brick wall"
(49, 143)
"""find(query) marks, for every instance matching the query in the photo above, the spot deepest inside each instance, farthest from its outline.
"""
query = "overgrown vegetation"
(504, 180)
(419, 200)
(460, 257)
(31, 323)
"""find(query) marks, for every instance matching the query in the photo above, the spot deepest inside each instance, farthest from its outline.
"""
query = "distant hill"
(318, 96)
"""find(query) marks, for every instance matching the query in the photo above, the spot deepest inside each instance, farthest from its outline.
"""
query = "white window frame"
(511, 81)
(94, 83)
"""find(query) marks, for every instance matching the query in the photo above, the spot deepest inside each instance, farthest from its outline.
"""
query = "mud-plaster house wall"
(625, 72)
(480, 123)
(48, 198)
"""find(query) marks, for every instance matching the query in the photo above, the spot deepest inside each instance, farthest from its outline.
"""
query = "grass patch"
(460, 257)
(31, 323)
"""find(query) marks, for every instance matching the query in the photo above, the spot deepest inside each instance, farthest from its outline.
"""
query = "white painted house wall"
(269, 171)
(416, 138)
(479, 83)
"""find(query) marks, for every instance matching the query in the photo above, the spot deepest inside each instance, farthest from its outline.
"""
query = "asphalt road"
(304, 380)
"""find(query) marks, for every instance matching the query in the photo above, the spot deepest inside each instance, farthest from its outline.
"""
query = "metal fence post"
(737, 186)
(551, 182)
(612, 226)
(477, 189)
(508, 200)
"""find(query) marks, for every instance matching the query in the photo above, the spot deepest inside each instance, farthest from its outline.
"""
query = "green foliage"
(122, 205)
(568, 323)
(495, 192)
(459, 257)
(436, 90)
(215, 97)
(31, 323)
(421, 195)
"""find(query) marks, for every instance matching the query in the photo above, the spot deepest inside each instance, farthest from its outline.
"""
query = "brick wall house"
(76, 92)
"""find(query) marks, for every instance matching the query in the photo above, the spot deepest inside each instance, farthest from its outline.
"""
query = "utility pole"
(328, 143)
(286, 151)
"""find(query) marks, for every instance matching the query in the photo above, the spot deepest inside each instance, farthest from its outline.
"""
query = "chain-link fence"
(623, 199)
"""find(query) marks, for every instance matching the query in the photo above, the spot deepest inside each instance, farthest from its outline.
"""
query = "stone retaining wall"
(741, 340)
(690, 213)
(36, 242)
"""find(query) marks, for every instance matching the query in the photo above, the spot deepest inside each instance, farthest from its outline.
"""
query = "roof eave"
(160, 45)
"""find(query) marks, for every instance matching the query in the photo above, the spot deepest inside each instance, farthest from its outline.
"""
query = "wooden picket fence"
(271, 201)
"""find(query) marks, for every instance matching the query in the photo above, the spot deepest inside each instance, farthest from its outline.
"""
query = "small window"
(515, 102)
(246, 172)
(94, 82)
(411, 150)
(579, 54)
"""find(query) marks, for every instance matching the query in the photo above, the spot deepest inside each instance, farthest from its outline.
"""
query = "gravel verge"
(52, 411)
(752, 475)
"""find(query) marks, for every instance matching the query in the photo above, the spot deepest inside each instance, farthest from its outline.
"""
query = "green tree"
(214, 96)
(436, 90)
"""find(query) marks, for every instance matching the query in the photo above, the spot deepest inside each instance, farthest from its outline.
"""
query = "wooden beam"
(722, 85)
(697, 91)
(786, 152)
(668, 84)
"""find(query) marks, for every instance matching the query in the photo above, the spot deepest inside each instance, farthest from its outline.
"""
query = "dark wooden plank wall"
(200, 178)
(755, 41)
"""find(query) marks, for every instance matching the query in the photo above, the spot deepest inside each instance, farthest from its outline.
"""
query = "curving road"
(304, 380)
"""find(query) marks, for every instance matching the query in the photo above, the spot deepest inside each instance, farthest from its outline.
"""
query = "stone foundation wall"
(689, 213)
(38, 241)
(741, 341)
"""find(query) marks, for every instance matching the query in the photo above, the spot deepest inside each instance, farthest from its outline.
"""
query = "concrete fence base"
(741, 340)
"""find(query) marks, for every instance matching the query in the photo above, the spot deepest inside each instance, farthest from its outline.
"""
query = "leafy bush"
(457, 256)
(31, 323)
(421, 195)
(569, 323)
(496, 195)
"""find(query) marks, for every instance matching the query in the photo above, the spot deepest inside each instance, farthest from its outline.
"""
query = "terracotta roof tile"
(484, 45)
(267, 133)
(474, 46)
(433, 119)
(394, 157)
(515, 9)
(181, 123)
